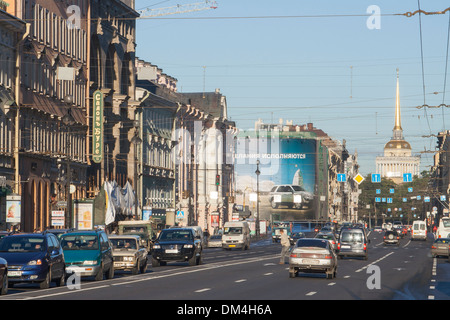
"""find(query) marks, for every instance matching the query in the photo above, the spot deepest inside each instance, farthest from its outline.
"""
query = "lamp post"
(68, 121)
(136, 140)
(257, 197)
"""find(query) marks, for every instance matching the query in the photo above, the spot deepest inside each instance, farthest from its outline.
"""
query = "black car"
(391, 237)
(295, 236)
(33, 258)
(177, 244)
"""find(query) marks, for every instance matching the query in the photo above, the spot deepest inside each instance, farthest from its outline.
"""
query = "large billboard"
(287, 164)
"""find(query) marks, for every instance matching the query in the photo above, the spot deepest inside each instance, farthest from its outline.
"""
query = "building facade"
(397, 158)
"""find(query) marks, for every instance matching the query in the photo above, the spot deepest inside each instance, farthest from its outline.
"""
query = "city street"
(408, 272)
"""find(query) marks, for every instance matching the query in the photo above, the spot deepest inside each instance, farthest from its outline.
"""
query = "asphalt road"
(406, 272)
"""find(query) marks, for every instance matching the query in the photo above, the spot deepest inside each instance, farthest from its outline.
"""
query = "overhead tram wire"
(445, 74)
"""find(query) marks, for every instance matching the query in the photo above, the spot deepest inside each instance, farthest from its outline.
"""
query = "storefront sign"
(97, 127)
(58, 218)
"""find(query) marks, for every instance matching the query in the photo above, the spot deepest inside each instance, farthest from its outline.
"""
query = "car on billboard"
(290, 195)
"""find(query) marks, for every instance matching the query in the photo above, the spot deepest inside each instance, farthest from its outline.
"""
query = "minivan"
(236, 234)
(353, 243)
(88, 253)
(419, 230)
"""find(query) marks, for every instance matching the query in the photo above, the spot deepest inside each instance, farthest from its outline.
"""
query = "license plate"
(231, 245)
(345, 247)
(310, 261)
(171, 251)
(14, 273)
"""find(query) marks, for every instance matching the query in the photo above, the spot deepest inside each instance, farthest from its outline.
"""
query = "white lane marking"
(365, 267)
(202, 290)
(241, 280)
(311, 293)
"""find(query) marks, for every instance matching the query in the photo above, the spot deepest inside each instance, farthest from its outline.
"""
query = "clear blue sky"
(285, 59)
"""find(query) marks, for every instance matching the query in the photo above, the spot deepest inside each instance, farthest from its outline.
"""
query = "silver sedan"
(313, 256)
(440, 247)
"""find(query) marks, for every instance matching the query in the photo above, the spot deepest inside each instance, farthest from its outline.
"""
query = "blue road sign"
(407, 177)
(389, 200)
(410, 189)
(377, 199)
(378, 191)
(376, 177)
(341, 177)
(426, 199)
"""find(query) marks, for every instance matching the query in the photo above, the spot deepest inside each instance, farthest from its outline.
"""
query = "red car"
(3, 276)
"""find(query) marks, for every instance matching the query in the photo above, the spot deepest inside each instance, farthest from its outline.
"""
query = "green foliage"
(368, 195)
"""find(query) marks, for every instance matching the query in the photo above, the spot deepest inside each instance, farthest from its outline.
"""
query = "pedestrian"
(285, 245)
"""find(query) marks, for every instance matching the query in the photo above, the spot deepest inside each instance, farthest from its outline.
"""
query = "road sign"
(341, 177)
(426, 199)
(378, 191)
(389, 200)
(358, 178)
(407, 177)
(376, 177)
(377, 199)
(180, 215)
(443, 198)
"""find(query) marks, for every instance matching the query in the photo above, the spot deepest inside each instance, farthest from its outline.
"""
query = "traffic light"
(218, 180)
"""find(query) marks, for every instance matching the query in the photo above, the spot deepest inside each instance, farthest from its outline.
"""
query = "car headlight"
(128, 258)
(90, 262)
(156, 246)
(188, 246)
(37, 262)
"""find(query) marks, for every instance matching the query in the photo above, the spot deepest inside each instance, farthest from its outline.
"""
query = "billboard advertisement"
(287, 175)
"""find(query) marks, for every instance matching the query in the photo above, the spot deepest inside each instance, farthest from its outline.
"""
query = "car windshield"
(135, 229)
(123, 243)
(232, 230)
(79, 242)
(22, 244)
(311, 243)
(176, 235)
(446, 223)
(351, 237)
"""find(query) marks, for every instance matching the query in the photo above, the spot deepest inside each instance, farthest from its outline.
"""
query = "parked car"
(353, 243)
(215, 241)
(129, 253)
(88, 253)
(391, 237)
(3, 276)
(328, 236)
(313, 256)
(440, 247)
(295, 236)
(177, 244)
(293, 196)
(33, 258)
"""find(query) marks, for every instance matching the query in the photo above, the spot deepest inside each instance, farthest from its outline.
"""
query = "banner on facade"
(97, 127)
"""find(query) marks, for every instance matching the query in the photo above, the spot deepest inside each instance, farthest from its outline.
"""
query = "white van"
(419, 230)
(236, 234)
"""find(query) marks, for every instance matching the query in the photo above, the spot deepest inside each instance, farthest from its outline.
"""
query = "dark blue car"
(33, 258)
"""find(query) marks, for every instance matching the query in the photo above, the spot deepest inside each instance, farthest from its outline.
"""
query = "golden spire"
(398, 124)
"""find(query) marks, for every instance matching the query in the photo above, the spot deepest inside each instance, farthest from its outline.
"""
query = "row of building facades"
(52, 60)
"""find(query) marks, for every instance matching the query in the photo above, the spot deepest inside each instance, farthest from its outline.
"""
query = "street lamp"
(257, 197)
(136, 140)
(68, 121)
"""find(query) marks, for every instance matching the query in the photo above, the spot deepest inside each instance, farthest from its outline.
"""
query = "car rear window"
(351, 237)
(312, 243)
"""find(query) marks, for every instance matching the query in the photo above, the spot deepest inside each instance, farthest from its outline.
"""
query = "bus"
(443, 231)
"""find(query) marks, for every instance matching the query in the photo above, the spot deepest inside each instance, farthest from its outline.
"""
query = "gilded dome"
(397, 144)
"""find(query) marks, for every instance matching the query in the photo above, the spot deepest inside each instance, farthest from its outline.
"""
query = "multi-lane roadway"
(404, 272)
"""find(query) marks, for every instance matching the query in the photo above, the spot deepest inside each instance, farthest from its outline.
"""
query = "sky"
(326, 62)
